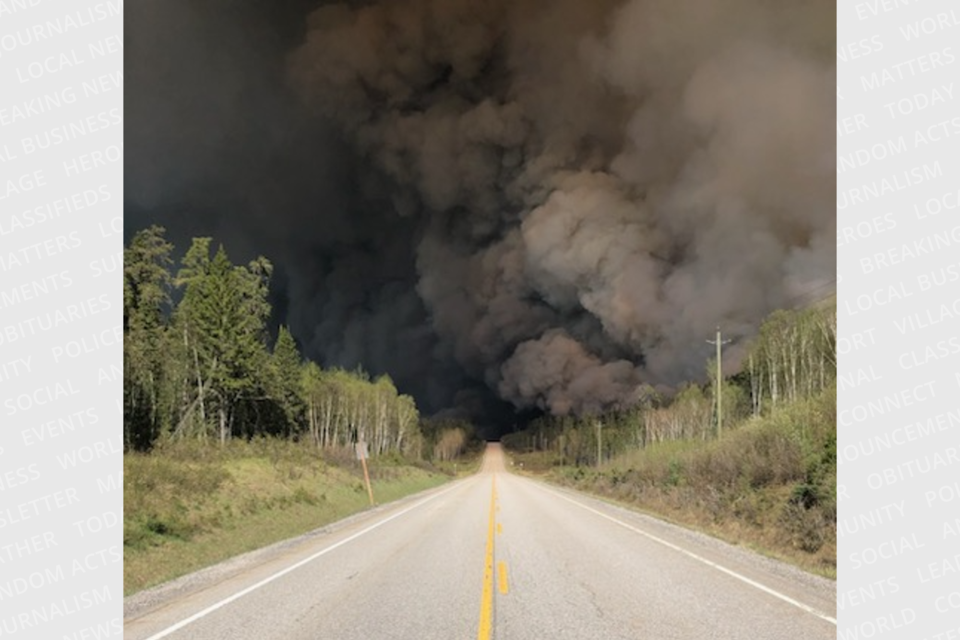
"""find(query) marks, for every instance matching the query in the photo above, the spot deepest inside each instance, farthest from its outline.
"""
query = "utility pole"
(719, 344)
(599, 445)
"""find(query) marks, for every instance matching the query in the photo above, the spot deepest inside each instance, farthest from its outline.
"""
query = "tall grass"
(188, 505)
(770, 483)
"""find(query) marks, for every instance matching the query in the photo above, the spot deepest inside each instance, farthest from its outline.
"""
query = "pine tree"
(223, 319)
(146, 294)
(288, 391)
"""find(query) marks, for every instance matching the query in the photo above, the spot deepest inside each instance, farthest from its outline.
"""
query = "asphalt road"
(495, 555)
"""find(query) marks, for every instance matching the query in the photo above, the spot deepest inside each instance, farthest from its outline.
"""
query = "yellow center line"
(486, 599)
(502, 575)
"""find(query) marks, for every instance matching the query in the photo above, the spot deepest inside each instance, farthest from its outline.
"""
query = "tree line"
(793, 357)
(198, 364)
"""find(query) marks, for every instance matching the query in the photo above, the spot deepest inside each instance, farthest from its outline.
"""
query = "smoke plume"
(555, 201)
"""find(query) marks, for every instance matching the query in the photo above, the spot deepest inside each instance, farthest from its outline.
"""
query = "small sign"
(362, 453)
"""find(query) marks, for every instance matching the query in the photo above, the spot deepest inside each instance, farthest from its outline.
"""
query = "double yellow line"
(486, 599)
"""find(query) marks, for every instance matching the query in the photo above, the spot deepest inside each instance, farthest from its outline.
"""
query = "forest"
(199, 365)
(792, 358)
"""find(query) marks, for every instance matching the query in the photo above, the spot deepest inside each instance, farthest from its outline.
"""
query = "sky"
(509, 207)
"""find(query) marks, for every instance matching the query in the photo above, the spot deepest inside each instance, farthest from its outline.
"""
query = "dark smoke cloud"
(555, 201)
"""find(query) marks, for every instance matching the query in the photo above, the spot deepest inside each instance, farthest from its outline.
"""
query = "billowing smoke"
(557, 200)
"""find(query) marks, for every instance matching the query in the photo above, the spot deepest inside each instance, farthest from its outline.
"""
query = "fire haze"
(558, 201)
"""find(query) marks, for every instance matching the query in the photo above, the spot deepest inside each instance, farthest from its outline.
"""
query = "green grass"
(191, 505)
(769, 485)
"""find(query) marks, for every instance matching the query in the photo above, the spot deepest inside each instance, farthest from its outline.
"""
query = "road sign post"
(362, 456)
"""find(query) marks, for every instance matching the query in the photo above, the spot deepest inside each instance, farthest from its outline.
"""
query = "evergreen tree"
(204, 369)
(288, 386)
(146, 294)
(223, 318)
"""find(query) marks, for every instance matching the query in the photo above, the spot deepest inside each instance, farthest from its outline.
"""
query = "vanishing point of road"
(495, 555)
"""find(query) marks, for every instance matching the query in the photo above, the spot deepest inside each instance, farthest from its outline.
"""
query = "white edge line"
(711, 563)
(200, 614)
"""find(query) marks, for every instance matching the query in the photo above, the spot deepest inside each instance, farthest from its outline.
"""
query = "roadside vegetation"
(187, 505)
(232, 440)
(768, 482)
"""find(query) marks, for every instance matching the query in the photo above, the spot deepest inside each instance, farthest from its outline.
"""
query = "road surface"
(495, 555)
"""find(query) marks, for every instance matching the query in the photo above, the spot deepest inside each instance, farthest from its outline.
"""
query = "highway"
(495, 555)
